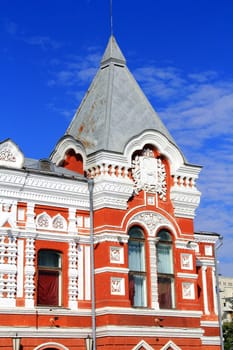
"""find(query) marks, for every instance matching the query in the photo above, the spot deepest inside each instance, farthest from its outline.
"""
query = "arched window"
(166, 290)
(137, 269)
(49, 278)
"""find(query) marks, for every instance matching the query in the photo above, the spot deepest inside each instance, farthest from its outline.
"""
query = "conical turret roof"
(114, 109)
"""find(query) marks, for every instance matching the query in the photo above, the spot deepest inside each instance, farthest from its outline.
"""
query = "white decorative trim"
(112, 192)
(187, 275)
(8, 211)
(170, 346)
(10, 155)
(81, 272)
(117, 286)
(51, 344)
(149, 174)
(205, 293)
(164, 146)
(188, 290)
(145, 331)
(87, 272)
(29, 271)
(186, 261)
(185, 201)
(65, 145)
(206, 238)
(43, 189)
(112, 269)
(215, 296)
(142, 345)
(153, 273)
(208, 250)
(151, 221)
(20, 268)
(116, 255)
(57, 223)
(111, 237)
(211, 340)
(73, 275)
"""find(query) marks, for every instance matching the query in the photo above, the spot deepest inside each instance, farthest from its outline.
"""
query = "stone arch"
(50, 346)
(43, 221)
(165, 147)
(65, 145)
(152, 222)
(59, 223)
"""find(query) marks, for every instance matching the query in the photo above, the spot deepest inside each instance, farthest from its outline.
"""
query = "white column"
(214, 291)
(29, 286)
(87, 273)
(30, 223)
(153, 272)
(205, 294)
(20, 263)
(73, 275)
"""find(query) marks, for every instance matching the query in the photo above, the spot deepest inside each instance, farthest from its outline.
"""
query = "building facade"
(97, 242)
(226, 297)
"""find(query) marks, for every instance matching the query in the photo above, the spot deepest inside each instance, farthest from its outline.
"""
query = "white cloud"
(44, 42)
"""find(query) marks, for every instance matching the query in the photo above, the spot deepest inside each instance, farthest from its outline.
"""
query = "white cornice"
(165, 332)
(44, 189)
(112, 270)
(187, 275)
(112, 192)
(211, 340)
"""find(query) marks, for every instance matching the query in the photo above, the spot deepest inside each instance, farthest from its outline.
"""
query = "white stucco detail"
(205, 293)
(151, 221)
(10, 155)
(73, 275)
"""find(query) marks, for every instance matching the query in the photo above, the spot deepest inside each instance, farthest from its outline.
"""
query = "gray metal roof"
(114, 109)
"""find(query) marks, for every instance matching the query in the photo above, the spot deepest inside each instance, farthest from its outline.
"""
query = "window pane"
(165, 236)
(136, 232)
(164, 256)
(47, 258)
(136, 256)
(137, 290)
(165, 289)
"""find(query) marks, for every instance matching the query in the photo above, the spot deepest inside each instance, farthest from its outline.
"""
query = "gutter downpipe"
(90, 182)
(220, 240)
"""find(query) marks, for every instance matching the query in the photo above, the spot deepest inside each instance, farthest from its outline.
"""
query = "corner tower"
(149, 265)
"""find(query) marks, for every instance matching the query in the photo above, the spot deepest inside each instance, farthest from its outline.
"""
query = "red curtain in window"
(48, 284)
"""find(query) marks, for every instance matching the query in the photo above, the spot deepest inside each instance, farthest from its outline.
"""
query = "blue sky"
(180, 52)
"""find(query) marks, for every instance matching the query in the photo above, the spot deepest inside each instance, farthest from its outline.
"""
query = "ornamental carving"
(151, 220)
(10, 155)
(149, 174)
(7, 155)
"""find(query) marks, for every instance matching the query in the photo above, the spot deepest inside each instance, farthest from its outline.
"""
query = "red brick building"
(97, 242)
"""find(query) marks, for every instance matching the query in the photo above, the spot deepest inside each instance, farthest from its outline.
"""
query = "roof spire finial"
(111, 19)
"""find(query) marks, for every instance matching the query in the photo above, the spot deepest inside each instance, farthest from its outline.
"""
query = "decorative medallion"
(149, 174)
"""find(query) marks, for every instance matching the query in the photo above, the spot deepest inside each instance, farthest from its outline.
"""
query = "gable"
(142, 345)
(10, 155)
(170, 346)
